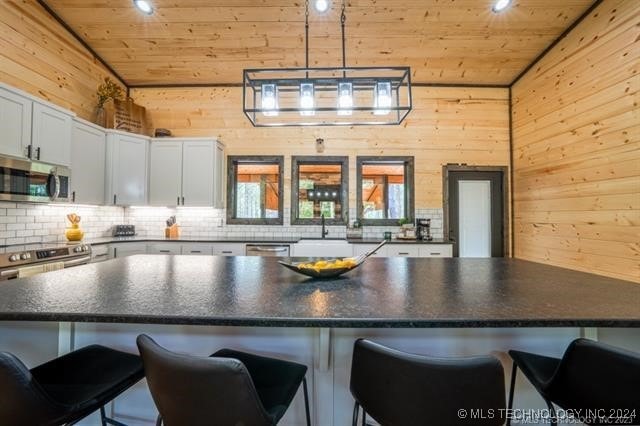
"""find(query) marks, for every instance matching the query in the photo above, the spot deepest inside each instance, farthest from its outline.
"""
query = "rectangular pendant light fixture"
(327, 96)
(336, 96)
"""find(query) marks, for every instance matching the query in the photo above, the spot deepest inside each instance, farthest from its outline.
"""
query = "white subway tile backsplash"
(32, 223)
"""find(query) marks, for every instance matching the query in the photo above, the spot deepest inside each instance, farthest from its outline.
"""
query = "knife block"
(172, 231)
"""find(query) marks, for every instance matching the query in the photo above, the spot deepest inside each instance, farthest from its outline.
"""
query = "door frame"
(506, 219)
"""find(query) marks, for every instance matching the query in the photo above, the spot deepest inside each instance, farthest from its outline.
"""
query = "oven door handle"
(78, 261)
(8, 273)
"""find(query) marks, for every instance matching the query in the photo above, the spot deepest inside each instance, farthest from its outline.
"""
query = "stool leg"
(552, 412)
(103, 417)
(306, 400)
(159, 420)
(364, 417)
(356, 409)
(514, 371)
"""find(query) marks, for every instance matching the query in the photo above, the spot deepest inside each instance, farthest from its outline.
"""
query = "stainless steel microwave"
(31, 181)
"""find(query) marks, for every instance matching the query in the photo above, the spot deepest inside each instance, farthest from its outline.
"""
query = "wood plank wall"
(576, 139)
(447, 125)
(39, 56)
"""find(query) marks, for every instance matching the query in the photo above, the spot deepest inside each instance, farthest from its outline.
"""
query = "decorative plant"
(108, 90)
(403, 221)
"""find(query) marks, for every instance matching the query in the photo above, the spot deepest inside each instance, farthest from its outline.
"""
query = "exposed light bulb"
(500, 5)
(382, 98)
(143, 6)
(345, 98)
(322, 5)
(269, 100)
(307, 101)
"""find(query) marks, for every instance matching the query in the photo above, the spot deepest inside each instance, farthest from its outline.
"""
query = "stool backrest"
(190, 390)
(401, 389)
(596, 375)
(22, 401)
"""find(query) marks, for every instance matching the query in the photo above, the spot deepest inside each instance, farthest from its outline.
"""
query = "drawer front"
(228, 249)
(164, 248)
(359, 249)
(197, 249)
(403, 250)
(436, 250)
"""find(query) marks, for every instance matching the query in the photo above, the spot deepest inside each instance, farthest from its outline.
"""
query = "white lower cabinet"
(197, 249)
(403, 250)
(128, 249)
(436, 250)
(229, 249)
(359, 249)
(406, 250)
(164, 248)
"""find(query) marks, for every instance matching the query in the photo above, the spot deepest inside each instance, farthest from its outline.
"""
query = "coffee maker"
(423, 229)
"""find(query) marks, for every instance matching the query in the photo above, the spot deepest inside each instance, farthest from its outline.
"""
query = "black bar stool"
(227, 388)
(66, 389)
(401, 389)
(590, 376)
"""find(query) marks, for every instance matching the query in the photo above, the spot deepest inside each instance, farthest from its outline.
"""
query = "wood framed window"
(385, 190)
(255, 190)
(319, 187)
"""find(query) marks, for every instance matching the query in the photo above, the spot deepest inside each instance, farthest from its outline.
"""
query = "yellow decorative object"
(74, 233)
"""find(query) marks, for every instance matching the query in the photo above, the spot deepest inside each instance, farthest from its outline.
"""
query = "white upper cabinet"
(126, 169)
(51, 135)
(15, 123)
(165, 178)
(221, 177)
(184, 172)
(198, 173)
(88, 149)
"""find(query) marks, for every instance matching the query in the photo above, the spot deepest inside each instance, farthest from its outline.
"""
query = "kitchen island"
(435, 306)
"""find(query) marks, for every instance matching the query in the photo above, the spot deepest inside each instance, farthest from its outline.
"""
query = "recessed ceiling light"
(500, 5)
(322, 5)
(143, 6)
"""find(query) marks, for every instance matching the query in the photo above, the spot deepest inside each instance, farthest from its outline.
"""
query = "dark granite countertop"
(203, 240)
(257, 291)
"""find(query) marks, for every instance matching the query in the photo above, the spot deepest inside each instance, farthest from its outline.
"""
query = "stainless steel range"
(31, 261)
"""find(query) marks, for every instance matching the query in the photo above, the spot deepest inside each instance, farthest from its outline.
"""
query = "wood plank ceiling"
(212, 41)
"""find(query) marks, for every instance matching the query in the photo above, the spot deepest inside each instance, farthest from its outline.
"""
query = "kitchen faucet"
(324, 230)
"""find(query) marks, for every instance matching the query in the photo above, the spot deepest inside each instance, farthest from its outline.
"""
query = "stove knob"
(24, 256)
(77, 249)
(14, 258)
(85, 248)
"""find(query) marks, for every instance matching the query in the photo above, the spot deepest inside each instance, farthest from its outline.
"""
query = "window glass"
(384, 189)
(255, 190)
(319, 191)
(319, 188)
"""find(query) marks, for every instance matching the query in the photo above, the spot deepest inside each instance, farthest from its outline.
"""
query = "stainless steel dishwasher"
(269, 250)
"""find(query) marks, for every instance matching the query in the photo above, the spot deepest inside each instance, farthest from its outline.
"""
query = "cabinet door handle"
(403, 253)
(183, 201)
(29, 150)
(165, 251)
(178, 201)
(227, 252)
(196, 251)
(434, 254)
(73, 197)
(37, 153)
(115, 198)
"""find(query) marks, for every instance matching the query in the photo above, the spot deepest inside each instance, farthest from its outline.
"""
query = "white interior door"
(474, 210)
